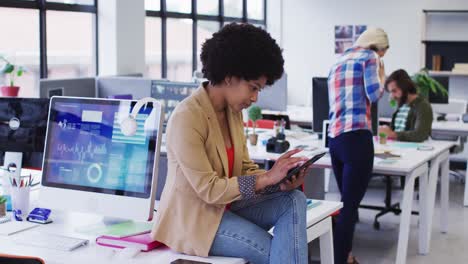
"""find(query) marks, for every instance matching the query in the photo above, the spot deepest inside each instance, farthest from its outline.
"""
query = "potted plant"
(426, 83)
(13, 71)
(255, 113)
(3, 201)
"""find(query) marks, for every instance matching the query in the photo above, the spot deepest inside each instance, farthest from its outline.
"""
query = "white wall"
(308, 35)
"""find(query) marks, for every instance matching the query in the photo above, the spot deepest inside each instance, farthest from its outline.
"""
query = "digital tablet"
(306, 164)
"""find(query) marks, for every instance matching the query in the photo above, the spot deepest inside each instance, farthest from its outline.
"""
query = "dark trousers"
(352, 156)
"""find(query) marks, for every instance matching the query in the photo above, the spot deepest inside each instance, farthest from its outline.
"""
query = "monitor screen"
(171, 93)
(274, 97)
(79, 87)
(87, 151)
(385, 109)
(437, 97)
(23, 125)
(320, 106)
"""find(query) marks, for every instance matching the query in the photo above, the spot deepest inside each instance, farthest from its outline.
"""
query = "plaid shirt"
(353, 83)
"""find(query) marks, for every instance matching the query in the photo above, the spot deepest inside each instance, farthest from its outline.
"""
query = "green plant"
(3, 199)
(12, 70)
(255, 113)
(426, 83)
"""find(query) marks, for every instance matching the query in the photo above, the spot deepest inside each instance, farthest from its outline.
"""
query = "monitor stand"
(320, 136)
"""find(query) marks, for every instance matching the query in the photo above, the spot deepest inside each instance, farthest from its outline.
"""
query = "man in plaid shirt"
(354, 82)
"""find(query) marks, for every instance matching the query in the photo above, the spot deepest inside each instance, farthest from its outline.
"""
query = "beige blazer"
(197, 187)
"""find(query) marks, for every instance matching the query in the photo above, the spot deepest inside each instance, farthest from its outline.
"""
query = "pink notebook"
(144, 242)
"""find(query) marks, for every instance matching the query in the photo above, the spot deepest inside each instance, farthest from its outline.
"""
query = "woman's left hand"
(296, 181)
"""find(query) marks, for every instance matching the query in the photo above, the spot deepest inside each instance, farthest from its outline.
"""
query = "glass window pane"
(208, 7)
(153, 47)
(179, 49)
(233, 8)
(180, 6)
(259, 25)
(255, 9)
(205, 30)
(20, 45)
(72, 2)
(153, 5)
(70, 53)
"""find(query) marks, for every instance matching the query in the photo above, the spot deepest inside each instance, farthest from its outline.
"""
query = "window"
(179, 49)
(233, 8)
(51, 39)
(73, 2)
(21, 50)
(208, 7)
(205, 30)
(179, 6)
(153, 47)
(70, 53)
(255, 9)
(176, 30)
(153, 5)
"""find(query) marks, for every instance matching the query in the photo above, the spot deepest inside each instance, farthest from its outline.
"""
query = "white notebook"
(13, 227)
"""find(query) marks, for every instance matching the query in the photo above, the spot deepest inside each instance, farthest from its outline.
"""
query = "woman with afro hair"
(216, 201)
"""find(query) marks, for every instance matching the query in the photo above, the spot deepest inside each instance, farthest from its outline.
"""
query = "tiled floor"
(379, 246)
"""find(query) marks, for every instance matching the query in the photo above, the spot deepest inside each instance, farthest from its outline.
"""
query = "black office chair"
(388, 206)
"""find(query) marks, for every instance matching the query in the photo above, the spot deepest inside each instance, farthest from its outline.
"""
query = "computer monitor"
(321, 108)
(88, 160)
(439, 98)
(385, 109)
(77, 87)
(274, 97)
(171, 93)
(23, 125)
(111, 86)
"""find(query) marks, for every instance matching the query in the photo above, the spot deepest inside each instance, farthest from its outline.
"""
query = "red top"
(230, 156)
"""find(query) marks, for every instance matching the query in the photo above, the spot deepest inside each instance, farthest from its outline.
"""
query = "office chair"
(388, 206)
(15, 259)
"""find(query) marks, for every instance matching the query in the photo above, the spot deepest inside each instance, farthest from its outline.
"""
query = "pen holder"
(20, 202)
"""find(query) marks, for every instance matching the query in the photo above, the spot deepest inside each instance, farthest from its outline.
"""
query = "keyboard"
(45, 240)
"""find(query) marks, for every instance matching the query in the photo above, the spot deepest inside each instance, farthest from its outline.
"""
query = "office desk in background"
(413, 164)
(453, 128)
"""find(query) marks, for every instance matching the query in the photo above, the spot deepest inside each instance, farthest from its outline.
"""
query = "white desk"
(318, 226)
(413, 164)
(453, 128)
(64, 224)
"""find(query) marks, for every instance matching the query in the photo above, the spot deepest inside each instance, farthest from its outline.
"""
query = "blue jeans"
(352, 156)
(243, 231)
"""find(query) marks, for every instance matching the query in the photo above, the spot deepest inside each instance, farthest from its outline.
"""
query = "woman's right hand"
(282, 165)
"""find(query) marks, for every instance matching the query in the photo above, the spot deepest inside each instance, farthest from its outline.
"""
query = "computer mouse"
(128, 253)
